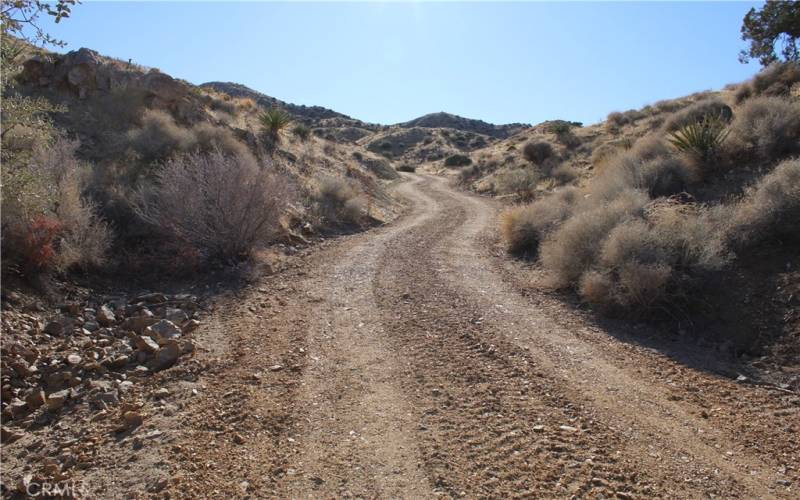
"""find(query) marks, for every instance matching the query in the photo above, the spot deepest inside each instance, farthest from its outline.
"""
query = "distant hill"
(310, 112)
(447, 120)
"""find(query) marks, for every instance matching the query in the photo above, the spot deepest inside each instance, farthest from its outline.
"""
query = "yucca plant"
(273, 121)
(701, 139)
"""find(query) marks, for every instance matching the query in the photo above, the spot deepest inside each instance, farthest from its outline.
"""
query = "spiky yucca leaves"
(273, 121)
(701, 139)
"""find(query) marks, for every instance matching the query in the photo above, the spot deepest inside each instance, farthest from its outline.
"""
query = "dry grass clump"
(617, 119)
(650, 165)
(571, 250)
(771, 208)
(538, 152)
(777, 79)
(712, 107)
(338, 203)
(208, 137)
(246, 104)
(523, 228)
(765, 128)
(564, 174)
(520, 182)
(223, 206)
(159, 137)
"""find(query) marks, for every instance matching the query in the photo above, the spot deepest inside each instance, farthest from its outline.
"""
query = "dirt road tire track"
(414, 362)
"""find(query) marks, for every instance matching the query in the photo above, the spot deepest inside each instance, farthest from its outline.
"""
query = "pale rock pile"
(89, 353)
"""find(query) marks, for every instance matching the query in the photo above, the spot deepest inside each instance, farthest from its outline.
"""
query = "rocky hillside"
(455, 122)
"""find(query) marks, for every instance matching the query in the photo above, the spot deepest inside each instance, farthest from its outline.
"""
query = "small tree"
(773, 32)
(20, 19)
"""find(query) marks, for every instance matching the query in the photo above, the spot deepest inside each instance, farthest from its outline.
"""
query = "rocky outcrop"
(84, 72)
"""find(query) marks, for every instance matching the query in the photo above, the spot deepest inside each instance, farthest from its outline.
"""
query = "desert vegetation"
(638, 237)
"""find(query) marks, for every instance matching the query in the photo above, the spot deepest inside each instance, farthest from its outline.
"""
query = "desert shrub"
(701, 140)
(649, 165)
(537, 152)
(406, 167)
(468, 174)
(226, 105)
(697, 112)
(223, 206)
(47, 222)
(159, 137)
(571, 250)
(656, 260)
(337, 202)
(777, 79)
(301, 132)
(564, 173)
(568, 139)
(617, 119)
(523, 228)
(603, 153)
(518, 181)
(246, 103)
(207, 137)
(457, 160)
(669, 105)
(770, 209)
(765, 128)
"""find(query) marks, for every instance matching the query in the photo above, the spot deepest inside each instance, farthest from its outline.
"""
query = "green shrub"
(765, 128)
(406, 167)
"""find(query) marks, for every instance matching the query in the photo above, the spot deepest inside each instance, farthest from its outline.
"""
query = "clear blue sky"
(390, 62)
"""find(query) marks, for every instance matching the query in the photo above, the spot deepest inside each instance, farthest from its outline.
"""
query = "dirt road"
(413, 361)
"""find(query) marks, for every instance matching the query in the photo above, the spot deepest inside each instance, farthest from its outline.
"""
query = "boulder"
(36, 399)
(56, 400)
(105, 316)
(163, 331)
(146, 344)
(177, 316)
(167, 355)
(165, 88)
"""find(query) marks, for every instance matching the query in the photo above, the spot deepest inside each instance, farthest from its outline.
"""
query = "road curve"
(411, 361)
